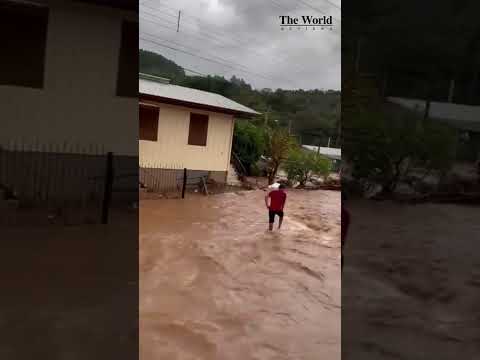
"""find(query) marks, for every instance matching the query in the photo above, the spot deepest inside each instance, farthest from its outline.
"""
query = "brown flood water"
(411, 291)
(214, 284)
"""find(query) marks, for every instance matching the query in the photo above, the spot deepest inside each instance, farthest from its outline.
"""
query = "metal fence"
(159, 177)
(58, 179)
(176, 180)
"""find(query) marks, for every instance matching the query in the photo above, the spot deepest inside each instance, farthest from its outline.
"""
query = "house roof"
(463, 117)
(131, 5)
(333, 153)
(184, 96)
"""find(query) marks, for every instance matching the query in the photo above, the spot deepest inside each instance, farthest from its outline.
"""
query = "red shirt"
(277, 200)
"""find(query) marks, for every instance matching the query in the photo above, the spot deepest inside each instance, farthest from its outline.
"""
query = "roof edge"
(197, 105)
(158, 79)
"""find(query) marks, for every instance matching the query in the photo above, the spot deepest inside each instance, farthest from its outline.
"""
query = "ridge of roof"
(191, 96)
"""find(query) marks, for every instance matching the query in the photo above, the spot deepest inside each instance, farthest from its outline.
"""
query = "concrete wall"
(78, 103)
(171, 150)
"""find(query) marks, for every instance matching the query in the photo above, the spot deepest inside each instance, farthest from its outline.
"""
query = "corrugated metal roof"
(334, 153)
(188, 95)
(460, 116)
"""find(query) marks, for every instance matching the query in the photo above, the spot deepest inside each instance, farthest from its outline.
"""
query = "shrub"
(302, 165)
(383, 149)
(248, 143)
(278, 145)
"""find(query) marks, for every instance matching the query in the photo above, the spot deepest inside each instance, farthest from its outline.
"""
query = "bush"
(248, 143)
(255, 170)
(302, 165)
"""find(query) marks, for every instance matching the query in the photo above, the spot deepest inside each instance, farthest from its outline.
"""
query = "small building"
(334, 154)
(182, 128)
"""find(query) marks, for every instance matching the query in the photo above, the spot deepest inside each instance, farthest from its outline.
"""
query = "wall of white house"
(78, 103)
(171, 150)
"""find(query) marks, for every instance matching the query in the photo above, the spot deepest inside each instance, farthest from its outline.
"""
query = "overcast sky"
(244, 38)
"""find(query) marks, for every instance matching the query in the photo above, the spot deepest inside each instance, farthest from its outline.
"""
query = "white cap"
(274, 186)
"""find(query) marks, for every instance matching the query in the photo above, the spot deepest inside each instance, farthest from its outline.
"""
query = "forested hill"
(313, 114)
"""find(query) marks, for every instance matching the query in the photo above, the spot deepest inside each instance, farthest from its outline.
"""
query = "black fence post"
(184, 182)
(107, 195)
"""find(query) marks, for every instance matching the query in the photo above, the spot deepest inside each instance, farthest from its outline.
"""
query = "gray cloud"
(246, 34)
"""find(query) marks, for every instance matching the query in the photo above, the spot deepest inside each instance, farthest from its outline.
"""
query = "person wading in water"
(277, 203)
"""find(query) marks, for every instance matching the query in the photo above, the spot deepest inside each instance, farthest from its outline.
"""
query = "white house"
(68, 73)
(69, 90)
(182, 127)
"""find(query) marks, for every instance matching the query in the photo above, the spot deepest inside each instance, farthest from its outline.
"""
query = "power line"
(202, 37)
(158, 24)
(221, 34)
(208, 36)
(333, 4)
(223, 60)
(204, 58)
(198, 50)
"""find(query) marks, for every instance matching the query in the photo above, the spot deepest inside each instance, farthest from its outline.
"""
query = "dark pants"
(271, 216)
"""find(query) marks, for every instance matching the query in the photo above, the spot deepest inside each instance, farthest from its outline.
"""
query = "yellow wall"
(171, 150)
(78, 103)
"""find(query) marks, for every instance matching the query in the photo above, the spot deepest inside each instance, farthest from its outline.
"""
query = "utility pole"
(384, 84)
(357, 56)
(426, 114)
(451, 91)
(266, 116)
(178, 21)
(427, 109)
(289, 126)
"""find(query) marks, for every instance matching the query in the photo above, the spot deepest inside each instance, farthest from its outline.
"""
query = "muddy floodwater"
(411, 290)
(215, 284)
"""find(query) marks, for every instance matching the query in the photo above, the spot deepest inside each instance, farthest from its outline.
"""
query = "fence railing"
(48, 174)
(160, 177)
(58, 177)
(238, 165)
(173, 178)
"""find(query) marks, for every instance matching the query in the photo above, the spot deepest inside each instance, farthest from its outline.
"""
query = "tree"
(278, 144)
(301, 165)
(386, 146)
(248, 143)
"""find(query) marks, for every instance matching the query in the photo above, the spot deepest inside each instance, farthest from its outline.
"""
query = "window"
(148, 117)
(197, 134)
(127, 80)
(23, 38)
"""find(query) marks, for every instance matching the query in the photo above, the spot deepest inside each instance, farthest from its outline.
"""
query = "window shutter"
(198, 130)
